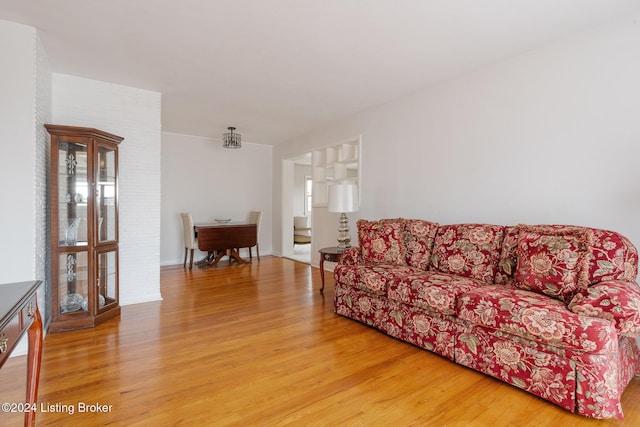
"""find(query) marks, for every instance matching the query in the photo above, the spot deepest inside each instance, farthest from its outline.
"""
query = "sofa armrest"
(351, 256)
(615, 300)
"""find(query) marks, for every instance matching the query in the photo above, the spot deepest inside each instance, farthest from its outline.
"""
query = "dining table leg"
(234, 254)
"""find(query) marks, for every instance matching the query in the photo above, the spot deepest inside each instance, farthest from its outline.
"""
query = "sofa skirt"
(546, 375)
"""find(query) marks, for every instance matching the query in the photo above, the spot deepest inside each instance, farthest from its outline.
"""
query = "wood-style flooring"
(259, 345)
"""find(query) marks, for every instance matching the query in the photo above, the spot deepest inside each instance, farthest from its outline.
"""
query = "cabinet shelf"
(77, 176)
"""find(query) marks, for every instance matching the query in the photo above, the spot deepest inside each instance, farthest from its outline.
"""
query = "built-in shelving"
(334, 163)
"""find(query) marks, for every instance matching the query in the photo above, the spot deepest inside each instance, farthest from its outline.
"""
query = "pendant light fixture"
(231, 140)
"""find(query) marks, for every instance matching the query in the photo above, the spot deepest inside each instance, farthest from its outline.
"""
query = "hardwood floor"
(259, 345)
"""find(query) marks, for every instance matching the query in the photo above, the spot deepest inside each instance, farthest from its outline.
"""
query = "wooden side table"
(331, 254)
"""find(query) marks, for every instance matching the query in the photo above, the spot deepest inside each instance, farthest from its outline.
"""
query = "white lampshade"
(343, 197)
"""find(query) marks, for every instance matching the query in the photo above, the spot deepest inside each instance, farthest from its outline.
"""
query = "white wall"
(133, 114)
(25, 103)
(202, 177)
(550, 136)
(18, 159)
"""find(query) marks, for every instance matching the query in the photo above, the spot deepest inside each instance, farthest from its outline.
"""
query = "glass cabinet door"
(73, 191)
(107, 278)
(73, 283)
(106, 194)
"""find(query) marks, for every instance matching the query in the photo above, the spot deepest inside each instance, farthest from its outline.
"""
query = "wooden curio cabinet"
(83, 197)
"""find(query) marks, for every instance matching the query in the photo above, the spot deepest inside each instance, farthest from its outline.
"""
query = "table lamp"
(343, 198)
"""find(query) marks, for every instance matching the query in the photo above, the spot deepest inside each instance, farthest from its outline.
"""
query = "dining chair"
(301, 230)
(255, 217)
(189, 237)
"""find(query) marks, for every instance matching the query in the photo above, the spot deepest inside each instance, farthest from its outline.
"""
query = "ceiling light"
(231, 140)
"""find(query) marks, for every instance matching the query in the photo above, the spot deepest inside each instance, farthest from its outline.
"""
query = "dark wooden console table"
(19, 311)
(220, 240)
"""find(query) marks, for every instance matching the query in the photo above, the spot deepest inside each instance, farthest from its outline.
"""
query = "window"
(308, 190)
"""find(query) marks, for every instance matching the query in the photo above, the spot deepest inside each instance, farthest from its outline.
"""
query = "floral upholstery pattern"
(468, 250)
(553, 261)
(382, 241)
(419, 236)
(598, 391)
(361, 306)
(371, 278)
(615, 301)
(351, 256)
(536, 317)
(577, 349)
(603, 378)
(546, 375)
(613, 257)
(433, 291)
(426, 330)
(506, 269)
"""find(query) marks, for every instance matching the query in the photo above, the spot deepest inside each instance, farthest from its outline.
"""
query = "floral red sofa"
(553, 310)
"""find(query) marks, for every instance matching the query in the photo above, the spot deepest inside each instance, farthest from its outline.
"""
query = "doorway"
(297, 207)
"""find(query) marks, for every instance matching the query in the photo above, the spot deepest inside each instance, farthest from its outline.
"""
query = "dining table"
(218, 240)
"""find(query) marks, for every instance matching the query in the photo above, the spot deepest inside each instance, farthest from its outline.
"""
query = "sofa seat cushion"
(431, 290)
(374, 278)
(536, 317)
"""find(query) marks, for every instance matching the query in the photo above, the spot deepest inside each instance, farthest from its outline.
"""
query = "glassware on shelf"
(71, 231)
(71, 303)
(72, 163)
(101, 302)
(71, 268)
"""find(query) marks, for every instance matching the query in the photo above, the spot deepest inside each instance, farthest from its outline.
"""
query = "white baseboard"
(141, 299)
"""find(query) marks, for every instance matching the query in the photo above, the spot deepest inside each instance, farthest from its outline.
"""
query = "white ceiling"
(276, 69)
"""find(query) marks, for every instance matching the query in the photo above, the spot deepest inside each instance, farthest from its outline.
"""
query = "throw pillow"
(382, 241)
(553, 260)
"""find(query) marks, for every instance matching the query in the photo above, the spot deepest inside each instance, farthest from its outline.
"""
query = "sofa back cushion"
(419, 236)
(506, 269)
(612, 256)
(468, 250)
(553, 260)
(382, 242)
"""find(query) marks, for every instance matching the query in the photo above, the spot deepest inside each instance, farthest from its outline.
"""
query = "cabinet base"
(82, 321)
